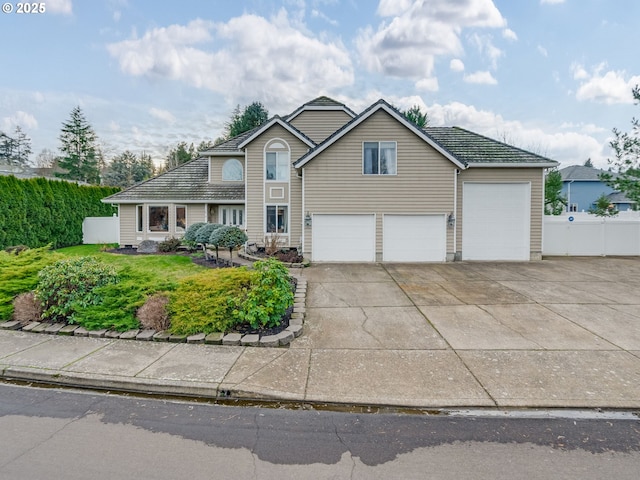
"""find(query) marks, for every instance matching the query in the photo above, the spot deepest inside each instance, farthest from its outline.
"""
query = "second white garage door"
(343, 238)
(496, 221)
(414, 238)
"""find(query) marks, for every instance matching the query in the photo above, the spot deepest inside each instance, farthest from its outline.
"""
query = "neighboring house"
(345, 187)
(582, 187)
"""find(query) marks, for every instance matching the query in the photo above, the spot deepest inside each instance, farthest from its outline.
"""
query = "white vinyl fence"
(584, 234)
(96, 230)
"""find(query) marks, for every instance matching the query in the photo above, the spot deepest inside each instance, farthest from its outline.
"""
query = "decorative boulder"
(148, 246)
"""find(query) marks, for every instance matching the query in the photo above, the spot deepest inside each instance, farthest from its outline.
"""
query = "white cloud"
(567, 147)
(588, 128)
(318, 14)
(63, 7)
(428, 84)
(609, 88)
(484, 44)
(509, 34)
(22, 119)
(484, 78)
(456, 65)
(247, 58)
(415, 32)
(163, 115)
(542, 51)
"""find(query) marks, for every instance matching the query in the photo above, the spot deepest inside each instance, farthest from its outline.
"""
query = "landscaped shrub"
(19, 274)
(69, 285)
(203, 234)
(153, 314)
(26, 308)
(191, 231)
(120, 301)
(227, 237)
(203, 302)
(169, 245)
(268, 297)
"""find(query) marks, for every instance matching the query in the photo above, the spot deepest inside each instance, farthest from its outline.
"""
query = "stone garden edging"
(282, 339)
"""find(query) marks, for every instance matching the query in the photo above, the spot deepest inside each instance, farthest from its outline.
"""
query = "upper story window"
(379, 158)
(232, 171)
(277, 162)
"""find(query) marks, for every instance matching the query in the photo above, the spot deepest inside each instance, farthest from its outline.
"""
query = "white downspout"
(304, 227)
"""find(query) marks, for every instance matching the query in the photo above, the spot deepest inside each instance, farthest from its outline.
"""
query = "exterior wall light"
(307, 220)
(451, 220)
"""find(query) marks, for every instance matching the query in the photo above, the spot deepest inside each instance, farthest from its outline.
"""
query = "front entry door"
(232, 215)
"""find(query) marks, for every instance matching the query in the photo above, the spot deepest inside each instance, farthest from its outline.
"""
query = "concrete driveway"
(560, 332)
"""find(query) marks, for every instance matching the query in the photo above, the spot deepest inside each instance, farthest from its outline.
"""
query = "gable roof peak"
(318, 104)
(324, 101)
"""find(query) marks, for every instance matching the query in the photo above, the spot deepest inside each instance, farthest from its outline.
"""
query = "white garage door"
(495, 221)
(414, 238)
(343, 238)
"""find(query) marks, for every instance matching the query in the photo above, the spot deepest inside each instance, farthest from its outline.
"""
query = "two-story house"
(582, 186)
(341, 186)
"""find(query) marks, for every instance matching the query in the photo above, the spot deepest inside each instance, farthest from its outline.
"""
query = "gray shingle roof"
(472, 148)
(186, 182)
(323, 102)
(581, 173)
(231, 145)
(619, 197)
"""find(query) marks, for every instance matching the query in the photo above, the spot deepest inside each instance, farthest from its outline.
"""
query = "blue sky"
(552, 76)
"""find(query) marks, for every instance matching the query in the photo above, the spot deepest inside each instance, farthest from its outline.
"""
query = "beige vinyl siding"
(128, 234)
(196, 212)
(276, 192)
(335, 184)
(255, 205)
(506, 175)
(319, 124)
(215, 166)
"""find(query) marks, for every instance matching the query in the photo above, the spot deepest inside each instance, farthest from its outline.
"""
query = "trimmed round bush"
(192, 230)
(205, 232)
(227, 237)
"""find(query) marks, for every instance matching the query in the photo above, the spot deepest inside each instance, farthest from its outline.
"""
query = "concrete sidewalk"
(563, 332)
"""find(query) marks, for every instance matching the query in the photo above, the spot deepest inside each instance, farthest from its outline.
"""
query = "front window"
(277, 219)
(232, 171)
(379, 158)
(278, 166)
(158, 218)
(181, 218)
(139, 223)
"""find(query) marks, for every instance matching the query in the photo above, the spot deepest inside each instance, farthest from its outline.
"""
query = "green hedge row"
(37, 211)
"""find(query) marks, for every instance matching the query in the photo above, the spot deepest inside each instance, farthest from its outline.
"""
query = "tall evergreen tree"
(181, 153)
(128, 169)
(7, 146)
(79, 149)
(416, 116)
(23, 147)
(243, 120)
(15, 149)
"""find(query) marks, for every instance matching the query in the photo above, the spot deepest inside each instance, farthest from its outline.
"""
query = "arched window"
(232, 170)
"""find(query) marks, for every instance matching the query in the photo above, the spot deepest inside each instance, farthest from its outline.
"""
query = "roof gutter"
(512, 165)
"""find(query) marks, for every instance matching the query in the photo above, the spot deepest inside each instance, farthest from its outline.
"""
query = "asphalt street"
(67, 434)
